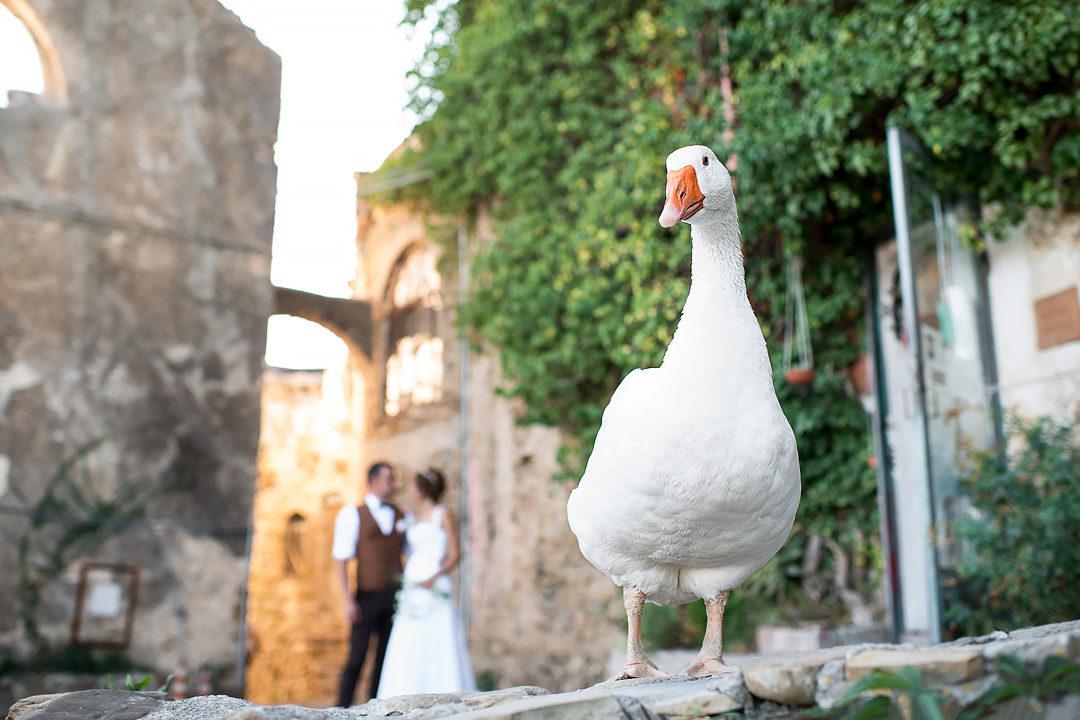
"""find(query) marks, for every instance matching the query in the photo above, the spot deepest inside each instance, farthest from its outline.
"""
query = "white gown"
(427, 651)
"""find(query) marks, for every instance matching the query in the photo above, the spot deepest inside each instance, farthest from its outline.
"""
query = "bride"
(427, 651)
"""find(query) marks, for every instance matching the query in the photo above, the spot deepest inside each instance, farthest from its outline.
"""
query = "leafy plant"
(67, 521)
(1028, 690)
(555, 118)
(905, 689)
(904, 694)
(1021, 546)
(143, 684)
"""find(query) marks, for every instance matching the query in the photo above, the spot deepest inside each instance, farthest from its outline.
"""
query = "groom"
(373, 534)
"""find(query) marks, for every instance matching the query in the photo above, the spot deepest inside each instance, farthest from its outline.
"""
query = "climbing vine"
(68, 521)
(555, 117)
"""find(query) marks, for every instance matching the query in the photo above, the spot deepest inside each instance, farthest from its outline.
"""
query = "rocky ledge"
(776, 687)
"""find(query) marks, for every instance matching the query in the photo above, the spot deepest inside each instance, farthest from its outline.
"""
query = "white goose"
(694, 479)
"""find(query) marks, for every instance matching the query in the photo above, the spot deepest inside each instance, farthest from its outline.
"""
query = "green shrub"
(1021, 546)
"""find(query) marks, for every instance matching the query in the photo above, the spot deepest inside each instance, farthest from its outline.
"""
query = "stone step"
(774, 687)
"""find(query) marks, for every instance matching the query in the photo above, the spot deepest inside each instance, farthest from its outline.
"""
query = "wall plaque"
(1057, 318)
(105, 605)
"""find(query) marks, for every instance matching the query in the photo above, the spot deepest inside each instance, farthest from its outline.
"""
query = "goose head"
(698, 188)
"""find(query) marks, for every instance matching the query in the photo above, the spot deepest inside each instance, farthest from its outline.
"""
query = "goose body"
(693, 481)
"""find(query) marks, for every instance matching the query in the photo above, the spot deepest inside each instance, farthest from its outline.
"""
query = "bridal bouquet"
(416, 601)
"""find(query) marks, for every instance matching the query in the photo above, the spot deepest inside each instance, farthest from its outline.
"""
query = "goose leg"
(710, 661)
(638, 664)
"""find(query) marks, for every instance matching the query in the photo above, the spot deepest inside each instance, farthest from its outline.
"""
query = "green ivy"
(1021, 563)
(555, 117)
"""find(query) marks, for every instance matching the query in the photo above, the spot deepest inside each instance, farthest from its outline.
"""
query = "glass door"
(948, 347)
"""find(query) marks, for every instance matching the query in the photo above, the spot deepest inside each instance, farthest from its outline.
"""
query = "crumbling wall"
(136, 213)
(528, 587)
(307, 471)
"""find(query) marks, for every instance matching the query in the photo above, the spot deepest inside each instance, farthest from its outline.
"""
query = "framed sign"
(105, 605)
(1057, 318)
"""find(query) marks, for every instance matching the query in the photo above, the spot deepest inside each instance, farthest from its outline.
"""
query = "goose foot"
(641, 668)
(709, 667)
(638, 664)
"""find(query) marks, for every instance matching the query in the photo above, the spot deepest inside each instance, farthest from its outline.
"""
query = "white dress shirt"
(347, 526)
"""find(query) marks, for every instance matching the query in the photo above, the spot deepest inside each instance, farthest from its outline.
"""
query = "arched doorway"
(309, 450)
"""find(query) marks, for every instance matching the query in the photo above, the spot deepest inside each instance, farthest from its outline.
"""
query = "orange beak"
(684, 197)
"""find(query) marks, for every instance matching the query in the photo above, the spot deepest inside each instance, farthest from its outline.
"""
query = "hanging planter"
(798, 354)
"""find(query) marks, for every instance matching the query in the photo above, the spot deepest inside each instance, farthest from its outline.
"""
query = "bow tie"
(385, 504)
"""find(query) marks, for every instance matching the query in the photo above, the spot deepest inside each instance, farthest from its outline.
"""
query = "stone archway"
(309, 466)
(351, 320)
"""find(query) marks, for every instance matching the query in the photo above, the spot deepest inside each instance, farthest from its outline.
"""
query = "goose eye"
(705, 160)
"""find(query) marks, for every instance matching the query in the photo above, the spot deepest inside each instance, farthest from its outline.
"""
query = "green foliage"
(487, 681)
(556, 117)
(143, 684)
(664, 626)
(68, 521)
(904, 694)
(1027, 690)
(1022, 546)
(905, 683)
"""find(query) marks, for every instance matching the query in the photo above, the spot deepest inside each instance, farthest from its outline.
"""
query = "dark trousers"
(376, 616)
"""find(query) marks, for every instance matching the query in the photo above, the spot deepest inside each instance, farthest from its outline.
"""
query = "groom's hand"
(352, 611)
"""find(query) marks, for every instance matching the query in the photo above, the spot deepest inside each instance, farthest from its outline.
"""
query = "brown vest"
(378, 567)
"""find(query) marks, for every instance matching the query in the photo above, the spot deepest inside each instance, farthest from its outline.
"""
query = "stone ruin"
(136, 214)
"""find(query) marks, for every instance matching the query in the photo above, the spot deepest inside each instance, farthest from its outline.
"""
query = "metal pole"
(463, 426)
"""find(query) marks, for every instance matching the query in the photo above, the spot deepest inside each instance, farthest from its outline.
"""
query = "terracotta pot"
(799, 377)
(859, 372)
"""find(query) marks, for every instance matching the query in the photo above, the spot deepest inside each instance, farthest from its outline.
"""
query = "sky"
(343, 100)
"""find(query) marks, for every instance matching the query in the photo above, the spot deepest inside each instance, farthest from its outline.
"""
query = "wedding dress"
(427, 651)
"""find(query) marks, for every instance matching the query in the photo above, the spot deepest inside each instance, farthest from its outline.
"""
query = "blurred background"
(252, 246)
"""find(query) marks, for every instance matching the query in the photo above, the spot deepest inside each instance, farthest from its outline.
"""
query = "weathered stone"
(583, 705)
(1036, 648)
(136, 215)
(790, 680)
(206, 707)
(250, 713)
(696, 698)
(481, 700)
(1066, 708)
(936, 665)
(831, 683)
(968, 693)
(86, 705)
(978, 640)
(23, 708)
(454, 702)
(1039, 631)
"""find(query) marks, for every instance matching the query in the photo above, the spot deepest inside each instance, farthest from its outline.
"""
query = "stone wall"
(528, 587)
(136, 213)
(307, 471)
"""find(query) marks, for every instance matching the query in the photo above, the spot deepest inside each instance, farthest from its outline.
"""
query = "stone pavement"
(775, 687)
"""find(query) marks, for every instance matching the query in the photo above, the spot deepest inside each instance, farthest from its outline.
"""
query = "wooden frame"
(131, 597)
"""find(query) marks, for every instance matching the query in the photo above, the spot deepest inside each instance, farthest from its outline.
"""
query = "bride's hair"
(432, 483)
